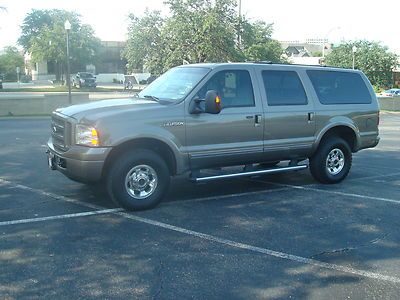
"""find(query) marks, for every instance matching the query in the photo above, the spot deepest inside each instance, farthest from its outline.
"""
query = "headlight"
(86, 136)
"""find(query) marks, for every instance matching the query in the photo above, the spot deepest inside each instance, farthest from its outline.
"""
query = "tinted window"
(283, 88)
(339, 87)
(233, 86)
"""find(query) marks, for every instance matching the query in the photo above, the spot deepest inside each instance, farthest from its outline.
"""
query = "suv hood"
(107, 107)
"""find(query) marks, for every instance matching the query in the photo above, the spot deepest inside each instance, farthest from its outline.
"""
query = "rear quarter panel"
(362, 118)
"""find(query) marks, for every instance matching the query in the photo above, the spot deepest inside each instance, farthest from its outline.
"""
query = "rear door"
(235, 135)
(289, 119)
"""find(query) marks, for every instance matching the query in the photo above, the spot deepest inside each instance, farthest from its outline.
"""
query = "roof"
(263, 63)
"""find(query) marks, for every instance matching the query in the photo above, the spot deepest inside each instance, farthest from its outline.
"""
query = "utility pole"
(67, 27)
(239, 34)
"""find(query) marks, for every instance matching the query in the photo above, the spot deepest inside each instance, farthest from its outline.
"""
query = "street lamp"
(354, 55)
(325, 39)
(67, 27)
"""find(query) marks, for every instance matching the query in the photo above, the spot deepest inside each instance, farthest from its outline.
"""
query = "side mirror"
(212, 103)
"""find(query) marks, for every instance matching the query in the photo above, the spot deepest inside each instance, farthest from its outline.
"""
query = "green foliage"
(44, 36)
(257, 44)
(144, 45)
(371, 58)
(316, 54)
(9, 61)
(197, 31)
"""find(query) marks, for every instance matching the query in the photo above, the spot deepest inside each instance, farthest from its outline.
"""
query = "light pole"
(67, 26)
(354, 49)
(326, 39)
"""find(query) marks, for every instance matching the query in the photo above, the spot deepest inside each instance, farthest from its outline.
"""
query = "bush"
(377, 89)
(25, 78)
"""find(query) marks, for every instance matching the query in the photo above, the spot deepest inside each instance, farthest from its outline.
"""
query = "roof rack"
(288, 64)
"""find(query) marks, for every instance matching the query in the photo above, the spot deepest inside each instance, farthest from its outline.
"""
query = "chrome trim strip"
(243, 174)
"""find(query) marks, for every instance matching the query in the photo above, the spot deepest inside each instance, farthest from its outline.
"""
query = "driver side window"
(233, 86)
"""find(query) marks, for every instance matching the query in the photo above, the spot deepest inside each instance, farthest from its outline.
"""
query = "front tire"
(138, 180)
(332, 161)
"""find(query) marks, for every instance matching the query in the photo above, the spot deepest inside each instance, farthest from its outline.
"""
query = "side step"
(249, 173)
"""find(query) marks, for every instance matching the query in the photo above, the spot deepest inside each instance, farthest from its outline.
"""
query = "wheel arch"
(158, 146)
(347, 132)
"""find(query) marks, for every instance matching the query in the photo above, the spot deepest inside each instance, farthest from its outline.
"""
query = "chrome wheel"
(335, 161)
(141, 181)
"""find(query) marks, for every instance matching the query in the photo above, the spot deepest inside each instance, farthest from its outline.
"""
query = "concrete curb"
(40, 104)
(389, 103)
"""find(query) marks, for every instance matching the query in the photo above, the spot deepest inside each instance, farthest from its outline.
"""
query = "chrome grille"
(59, 133)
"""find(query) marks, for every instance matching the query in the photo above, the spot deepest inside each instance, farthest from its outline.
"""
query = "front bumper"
(79, 163)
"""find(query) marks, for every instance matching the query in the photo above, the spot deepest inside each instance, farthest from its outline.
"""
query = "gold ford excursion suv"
(196, 117)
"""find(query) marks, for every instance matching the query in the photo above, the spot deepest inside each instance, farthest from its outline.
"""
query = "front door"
(233, 136)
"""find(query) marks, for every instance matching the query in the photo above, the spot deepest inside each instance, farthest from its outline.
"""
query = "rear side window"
(283, 88)
(339, 87)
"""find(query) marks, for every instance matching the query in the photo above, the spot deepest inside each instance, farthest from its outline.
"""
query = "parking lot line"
(226, 242)
(220, 197)
(374, 177)
(47, 194)
(60, 217)
(310, 188)
(265, 251)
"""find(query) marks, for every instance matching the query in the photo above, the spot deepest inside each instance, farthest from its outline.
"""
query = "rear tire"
(138, 180)
(332, 161)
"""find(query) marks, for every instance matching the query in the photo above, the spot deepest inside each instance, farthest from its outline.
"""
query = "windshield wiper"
(154, 98)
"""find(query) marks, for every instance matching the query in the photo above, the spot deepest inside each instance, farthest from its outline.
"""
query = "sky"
(293, 20)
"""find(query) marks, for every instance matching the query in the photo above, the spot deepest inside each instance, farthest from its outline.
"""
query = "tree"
(9, 61)
(257, 43)
(144, 44)
(197, 31)
(43, 35)
(201, 31)
(372, 58)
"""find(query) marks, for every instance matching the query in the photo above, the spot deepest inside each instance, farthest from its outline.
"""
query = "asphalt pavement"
(279, 236)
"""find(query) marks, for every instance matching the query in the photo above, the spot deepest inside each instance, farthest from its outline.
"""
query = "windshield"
(174, 84)
(86, 75)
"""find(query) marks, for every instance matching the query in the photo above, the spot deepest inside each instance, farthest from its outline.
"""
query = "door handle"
(257, 121)
(249, 117)
(311, 116)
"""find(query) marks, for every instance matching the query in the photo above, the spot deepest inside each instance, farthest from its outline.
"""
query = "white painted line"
(94, 206)
(47, 194)
(265, 251)
(230, 243)
(309, 188)
(60, 217)
(373, 177)
(372, 166)
(220, 197)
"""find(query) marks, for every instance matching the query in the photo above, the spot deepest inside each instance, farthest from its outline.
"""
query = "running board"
(250, 173)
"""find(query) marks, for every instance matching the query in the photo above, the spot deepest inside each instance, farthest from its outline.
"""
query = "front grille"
(60, 129)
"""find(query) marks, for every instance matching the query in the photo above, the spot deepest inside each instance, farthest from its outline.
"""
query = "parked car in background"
(84, 79)
(391, 93)
(1, 81)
